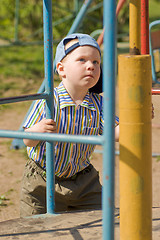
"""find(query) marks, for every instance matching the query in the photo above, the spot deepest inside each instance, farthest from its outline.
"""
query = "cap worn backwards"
(82, 40)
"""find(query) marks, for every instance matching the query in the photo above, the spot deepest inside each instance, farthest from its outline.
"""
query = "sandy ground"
(12, 163)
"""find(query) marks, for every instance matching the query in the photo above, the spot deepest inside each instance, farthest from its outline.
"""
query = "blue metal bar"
(154, 23)
(97, 140)
(99, 5)
(117, 152)
(80, 16)
(18, 143)
(154, 77)
(48, 62)
(23, 98)
(109, 20)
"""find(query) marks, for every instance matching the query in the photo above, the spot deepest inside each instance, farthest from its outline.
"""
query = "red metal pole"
(155, 91)
(100, 38)
(144, 27)
(119, 6)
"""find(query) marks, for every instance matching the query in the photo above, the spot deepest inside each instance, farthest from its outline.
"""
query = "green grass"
(154, 10)
(158, 159)
(3, 200)
(25, 62)
(21, 70)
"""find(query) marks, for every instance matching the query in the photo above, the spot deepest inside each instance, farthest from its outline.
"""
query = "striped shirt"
(84, 119)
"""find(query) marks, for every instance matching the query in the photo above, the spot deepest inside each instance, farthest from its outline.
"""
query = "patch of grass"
(158, 159)
(22, 61)
(2, 197)
(154, 7)
(6, 86)
(9, 191)
(3, 200)
(4, 107)
(10, 173)
(21, 70)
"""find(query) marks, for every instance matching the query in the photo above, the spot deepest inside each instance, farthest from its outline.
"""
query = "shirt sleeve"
(116, 121)
(101, 116)
(36, 115)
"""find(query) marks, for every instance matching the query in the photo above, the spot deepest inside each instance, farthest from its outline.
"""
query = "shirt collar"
(65, 100)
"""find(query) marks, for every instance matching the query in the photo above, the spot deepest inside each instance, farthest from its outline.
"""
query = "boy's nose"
(90, 65)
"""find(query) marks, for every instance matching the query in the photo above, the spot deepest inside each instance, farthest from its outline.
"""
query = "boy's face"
(81, 68)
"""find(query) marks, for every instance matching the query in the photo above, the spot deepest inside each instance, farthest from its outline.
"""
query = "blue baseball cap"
(82, 40)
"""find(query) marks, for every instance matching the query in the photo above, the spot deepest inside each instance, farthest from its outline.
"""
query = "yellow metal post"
(135, 147)
(135, 26)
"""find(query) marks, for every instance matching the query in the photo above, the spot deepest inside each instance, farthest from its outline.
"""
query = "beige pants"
(83, 191)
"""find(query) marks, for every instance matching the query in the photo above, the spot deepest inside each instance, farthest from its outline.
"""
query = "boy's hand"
(44, 126)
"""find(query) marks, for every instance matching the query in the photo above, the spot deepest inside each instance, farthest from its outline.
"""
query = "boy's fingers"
(50, 122)
(51, 127)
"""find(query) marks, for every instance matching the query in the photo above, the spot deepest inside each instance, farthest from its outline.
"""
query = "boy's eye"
(95, 62)
(81, 59)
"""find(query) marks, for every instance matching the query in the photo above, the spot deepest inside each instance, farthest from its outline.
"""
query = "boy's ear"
(60, 69)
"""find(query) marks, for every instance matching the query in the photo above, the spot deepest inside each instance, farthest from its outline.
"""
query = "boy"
(77, 110)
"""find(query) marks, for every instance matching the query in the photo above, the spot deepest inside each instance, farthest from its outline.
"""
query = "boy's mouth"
(89, 76)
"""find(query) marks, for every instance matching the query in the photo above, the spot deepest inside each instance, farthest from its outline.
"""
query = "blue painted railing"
(48, 64)
(151, 25)
(109, 21)
(106, 140)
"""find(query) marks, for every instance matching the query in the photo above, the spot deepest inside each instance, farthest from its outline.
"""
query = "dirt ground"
(12, 162)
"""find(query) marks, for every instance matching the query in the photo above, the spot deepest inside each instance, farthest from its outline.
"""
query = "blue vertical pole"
(48, 62)
(109, 14)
